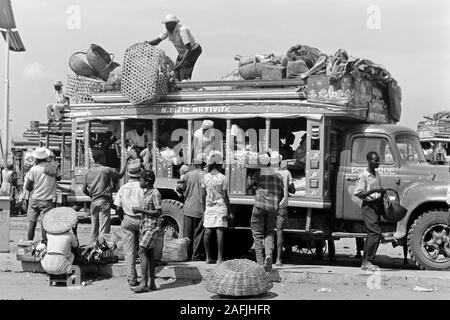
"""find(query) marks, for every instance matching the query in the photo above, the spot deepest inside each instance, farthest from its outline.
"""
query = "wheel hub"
(436, 243)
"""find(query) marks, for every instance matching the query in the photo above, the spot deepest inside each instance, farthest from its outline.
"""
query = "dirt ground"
(31, 286)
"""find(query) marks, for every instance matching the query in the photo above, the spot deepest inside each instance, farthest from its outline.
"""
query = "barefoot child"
(150, 228)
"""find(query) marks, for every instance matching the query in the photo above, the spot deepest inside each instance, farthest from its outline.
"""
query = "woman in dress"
(216, 207)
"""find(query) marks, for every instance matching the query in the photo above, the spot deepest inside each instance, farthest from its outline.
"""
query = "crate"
(25, 249)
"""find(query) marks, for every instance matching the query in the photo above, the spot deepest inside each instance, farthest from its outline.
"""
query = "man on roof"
(188, 49)
(60, 102)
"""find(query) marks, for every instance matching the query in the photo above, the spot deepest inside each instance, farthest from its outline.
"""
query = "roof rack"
(241, 83)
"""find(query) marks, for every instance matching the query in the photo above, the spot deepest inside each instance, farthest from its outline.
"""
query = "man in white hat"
(207, 139)
(42, 185)
(188, 49)
(60, 102)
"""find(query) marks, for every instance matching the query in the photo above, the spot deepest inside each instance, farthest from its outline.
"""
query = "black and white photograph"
(225, 155)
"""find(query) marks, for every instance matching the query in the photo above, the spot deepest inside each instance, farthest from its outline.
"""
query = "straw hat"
(60, 220)
(134, 169)
(238, 278)
(58, 83)
(41, 153)
(170, 18)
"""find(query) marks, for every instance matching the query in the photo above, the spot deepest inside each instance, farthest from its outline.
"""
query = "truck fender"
(417, 193)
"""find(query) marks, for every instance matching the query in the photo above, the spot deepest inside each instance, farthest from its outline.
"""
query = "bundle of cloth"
(95, 252)
(251, 67)
(300, 59)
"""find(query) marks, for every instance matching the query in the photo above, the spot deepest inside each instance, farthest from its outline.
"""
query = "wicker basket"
(238, 278)
(80, 89)
(59, 220)
(145, 75)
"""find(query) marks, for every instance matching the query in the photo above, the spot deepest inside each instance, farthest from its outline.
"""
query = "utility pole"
(13, 43)
(6, 102)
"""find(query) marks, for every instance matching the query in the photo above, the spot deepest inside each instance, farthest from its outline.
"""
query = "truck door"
(356, 162)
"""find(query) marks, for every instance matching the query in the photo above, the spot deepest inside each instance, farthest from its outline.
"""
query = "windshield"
(410, 148)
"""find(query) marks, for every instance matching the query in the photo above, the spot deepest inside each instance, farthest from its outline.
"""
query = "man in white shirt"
(59, 103)
(130, 195)
(41, 182)
(188, 49)
(139, 137)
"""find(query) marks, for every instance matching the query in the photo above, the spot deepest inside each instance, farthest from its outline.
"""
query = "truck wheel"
(429, 240)
(172, 212)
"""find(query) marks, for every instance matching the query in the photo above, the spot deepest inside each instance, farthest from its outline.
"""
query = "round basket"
(80, 66)
(60, 220)
(238, 278)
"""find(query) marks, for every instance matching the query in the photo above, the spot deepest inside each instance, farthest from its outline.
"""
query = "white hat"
(207, 124)
(275, 157)
(58, 83)
(41, 153)
(171, 18)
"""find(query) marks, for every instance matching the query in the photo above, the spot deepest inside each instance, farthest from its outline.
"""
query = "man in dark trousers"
(269, 193)
(188, 49)
(369, 191)
(193, 211)
(97, 185)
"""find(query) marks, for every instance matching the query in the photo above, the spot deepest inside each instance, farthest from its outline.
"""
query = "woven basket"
(60, 220)
(145, 75)
(80, 89)
(238, 278)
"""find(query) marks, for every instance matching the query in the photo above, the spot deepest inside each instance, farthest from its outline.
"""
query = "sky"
(409, 37)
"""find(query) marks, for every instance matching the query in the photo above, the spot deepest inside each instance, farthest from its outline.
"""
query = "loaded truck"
(340, 128)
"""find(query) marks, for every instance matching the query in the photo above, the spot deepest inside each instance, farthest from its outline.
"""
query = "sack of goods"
(299, 59)
(251, 67)
(175, 250)
(145, 76)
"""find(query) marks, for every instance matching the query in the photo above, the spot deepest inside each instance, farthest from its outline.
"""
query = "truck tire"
(429, 240)
(172, 212)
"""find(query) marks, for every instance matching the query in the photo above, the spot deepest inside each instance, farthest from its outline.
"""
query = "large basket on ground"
(80, 89)
(239, 278)
(145, 77)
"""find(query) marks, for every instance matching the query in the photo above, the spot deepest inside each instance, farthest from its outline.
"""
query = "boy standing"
(149, 230)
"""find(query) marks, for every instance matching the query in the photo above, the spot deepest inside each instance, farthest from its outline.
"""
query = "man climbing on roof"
(188, 49)
(60, 103)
